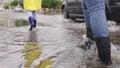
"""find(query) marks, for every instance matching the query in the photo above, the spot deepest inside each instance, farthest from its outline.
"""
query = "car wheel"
(65, 13)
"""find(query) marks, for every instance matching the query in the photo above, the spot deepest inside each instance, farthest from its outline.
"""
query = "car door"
(115, 9)
(71, 6)
(78, 7)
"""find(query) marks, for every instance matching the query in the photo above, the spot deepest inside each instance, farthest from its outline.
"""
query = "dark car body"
(73, 9)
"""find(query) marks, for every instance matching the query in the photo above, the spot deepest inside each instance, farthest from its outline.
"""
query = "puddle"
(55, 39)
(33, 51)
(45, 64)
(11, 23)
(21, 22)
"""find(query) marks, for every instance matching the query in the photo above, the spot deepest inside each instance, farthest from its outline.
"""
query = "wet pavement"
(53, 44)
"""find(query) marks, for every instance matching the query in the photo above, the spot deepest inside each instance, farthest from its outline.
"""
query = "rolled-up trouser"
(94, 13)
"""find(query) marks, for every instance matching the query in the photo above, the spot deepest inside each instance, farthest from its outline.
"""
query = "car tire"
(65, 13)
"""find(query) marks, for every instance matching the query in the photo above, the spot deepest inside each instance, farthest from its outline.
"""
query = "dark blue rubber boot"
(104, 50)
(31, 23)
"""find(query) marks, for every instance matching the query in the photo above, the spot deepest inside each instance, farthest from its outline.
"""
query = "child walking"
(32, 6)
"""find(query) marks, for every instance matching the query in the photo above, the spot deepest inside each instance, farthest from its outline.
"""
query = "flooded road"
(52, 45)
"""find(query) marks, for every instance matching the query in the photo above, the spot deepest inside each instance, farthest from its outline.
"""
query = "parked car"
(73, 9)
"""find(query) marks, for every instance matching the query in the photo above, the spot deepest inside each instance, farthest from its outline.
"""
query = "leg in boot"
(99, 26)
(87, 22)
(34, 13)
(104, 50)
(89, 37)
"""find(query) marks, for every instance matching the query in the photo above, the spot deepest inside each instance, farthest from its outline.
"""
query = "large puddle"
(30, 50)
(48, 47)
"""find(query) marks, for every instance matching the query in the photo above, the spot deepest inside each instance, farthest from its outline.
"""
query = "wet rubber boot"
(35, 23)
(31, 23)
(31, 27)
(104, 50)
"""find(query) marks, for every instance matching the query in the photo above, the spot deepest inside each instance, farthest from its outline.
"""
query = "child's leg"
(34, 18)
(30, 17)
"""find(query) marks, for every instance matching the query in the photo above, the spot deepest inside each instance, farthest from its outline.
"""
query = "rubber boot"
(104, 50)
(31, 23)
(35, 23)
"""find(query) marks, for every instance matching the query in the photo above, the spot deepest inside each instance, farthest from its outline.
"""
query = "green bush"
(51, 3)
(45, 3)
(6, 6)
(14, 3)
(21, 3)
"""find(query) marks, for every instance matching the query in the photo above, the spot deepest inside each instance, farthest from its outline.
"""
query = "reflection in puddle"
(20, 23)
(10, 23)
(32, 52)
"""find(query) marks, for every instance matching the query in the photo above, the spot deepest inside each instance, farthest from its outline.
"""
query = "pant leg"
(29, 13)
(86, 16)
(96, 11)
(34, 18)
(30, 17)
(87, 20)
(34, 13)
